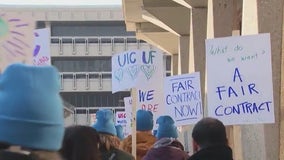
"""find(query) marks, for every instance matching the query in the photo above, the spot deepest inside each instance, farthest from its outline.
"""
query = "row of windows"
(95, 99)
(87, 28)
(88, 40)
(97, 64)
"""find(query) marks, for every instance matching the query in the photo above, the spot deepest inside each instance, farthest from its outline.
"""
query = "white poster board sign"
(120, 118)
(128, 111)
(134, 67)
(41, 53)
(150, 91)
(128, 107)
(183, 100)
(239, 79)
(16, 38)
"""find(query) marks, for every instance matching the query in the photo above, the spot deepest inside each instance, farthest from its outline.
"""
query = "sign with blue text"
(183, 100)
(239, 79)
(134, 67)
(150, 92)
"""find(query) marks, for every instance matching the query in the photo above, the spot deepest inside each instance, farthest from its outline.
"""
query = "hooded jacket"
(166, 149)
(213, 153)
(144, 142)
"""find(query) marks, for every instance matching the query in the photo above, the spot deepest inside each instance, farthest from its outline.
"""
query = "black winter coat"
(213, 153)
(6, 155)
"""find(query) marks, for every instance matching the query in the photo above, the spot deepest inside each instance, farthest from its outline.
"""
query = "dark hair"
(80, 142)
(209, 132)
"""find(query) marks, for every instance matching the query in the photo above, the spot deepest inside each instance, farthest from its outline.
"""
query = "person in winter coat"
(81, 143)
(167, 147)
(31, 113)
(144, 137)
(109, 142)
(210, 141)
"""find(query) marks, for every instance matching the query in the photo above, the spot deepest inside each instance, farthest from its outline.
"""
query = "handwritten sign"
(128, 111)
(239, 79)
(150, 92)
(183, 98)
(41, 53)
(128, 107)
(135, 67)
(120, 118)
(16, 38)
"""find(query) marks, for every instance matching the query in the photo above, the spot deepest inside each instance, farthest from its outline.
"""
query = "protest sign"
(239, 79)
(120, 118)
(41, 53)
(16, 38)
(135, 67)
(183, 100)
(150, 91)
(128, 111)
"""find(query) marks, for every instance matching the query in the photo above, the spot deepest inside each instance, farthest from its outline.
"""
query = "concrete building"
(180, 27)
(177, 27)
(83, 39)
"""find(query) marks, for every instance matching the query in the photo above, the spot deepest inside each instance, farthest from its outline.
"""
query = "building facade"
(83, 41)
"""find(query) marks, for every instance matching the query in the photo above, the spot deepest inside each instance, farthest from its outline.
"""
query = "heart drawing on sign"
(118, 74)
(133, 71)
(148, 70)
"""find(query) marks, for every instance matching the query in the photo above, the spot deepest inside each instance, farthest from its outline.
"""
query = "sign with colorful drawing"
(16, 38)
(136, 67)
(183, 100)
(239, 79)
(41, 53)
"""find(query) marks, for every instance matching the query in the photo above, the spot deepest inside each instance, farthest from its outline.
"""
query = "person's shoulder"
(123, 155)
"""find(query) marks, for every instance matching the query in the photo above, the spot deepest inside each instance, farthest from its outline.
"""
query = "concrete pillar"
(233, 132)
(198, 19)
(174, 64)
(281, 154)
(220, 18)
(183, 58)
(223, 20)
(259, 16)
(197, 45)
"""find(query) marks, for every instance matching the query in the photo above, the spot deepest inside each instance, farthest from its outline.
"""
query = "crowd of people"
(32, 127)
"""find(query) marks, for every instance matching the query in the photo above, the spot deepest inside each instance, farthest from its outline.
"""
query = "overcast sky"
(60, 2)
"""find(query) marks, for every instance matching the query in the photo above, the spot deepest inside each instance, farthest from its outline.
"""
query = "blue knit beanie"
(119, 132)
(144, 120)
(31, 109)
(166, 127)
(105, 122)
